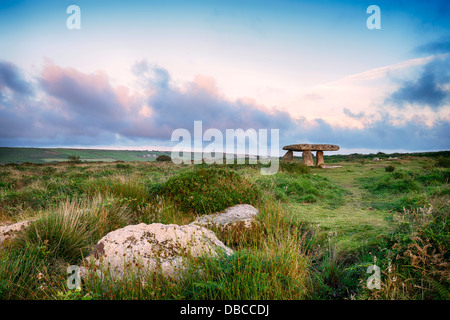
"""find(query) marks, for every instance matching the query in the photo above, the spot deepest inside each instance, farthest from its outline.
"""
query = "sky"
(135, 71)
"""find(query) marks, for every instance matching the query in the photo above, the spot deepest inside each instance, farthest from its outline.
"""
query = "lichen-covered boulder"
(151, 248)
(241, 216)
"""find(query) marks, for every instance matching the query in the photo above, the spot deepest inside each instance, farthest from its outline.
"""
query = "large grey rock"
(238, 216)
(151, 248)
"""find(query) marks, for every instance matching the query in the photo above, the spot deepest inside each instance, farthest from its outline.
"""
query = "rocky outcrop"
(152, 248)
(241, 216)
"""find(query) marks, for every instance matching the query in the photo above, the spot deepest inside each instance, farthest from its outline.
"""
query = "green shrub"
(389, 168)
(443, 162)
(395, 183)
(410, 202)
(208, 190)
(163, 157)
(434, 177)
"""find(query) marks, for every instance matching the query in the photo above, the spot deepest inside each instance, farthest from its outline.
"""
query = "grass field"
(322, 228)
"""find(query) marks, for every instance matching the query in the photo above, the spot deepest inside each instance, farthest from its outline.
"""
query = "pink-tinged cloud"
(84, 95)
(204, 83)
(69, 107)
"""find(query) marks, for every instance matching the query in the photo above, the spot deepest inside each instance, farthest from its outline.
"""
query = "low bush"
(443, 162)
(163, 157)
(394, 183)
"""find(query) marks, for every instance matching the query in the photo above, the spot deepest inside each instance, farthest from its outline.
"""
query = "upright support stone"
(319, 158)
(307, 155)
(289, 156)
(307, 158)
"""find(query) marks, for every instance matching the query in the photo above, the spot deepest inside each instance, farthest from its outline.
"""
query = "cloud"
(428, 89)
(11, 78)
(358, 116)
(66, 107)
(174, 107)
(152, 75)
(87, 100)
(383, 134)
(439, 46)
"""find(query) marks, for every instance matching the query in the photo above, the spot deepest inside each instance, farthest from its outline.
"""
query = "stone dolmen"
(307, 155)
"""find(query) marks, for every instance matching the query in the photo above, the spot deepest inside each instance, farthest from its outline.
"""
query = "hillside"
(50, 155)
(54, 155)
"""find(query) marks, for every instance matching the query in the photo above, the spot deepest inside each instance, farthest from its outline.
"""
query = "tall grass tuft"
(128, 189)
(70, 230)
(63, 233)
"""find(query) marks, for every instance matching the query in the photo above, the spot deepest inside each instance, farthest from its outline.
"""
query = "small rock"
(11, 230)
(238, 216)
(152, 248)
